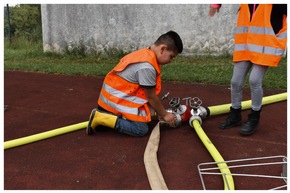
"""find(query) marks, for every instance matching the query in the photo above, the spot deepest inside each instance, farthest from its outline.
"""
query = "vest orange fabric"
(125, 98)
(255, 39)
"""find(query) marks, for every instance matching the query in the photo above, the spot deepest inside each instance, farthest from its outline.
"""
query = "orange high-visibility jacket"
(255, 39)
(125, 98)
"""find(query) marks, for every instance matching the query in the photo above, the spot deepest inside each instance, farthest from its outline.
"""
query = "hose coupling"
(178, 117)
(195, 117)
(199, 114)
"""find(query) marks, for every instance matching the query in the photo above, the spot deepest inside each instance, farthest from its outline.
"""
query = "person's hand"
(170, 119)
(213, 10)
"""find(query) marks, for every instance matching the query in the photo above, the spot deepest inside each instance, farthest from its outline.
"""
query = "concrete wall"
(133, 26)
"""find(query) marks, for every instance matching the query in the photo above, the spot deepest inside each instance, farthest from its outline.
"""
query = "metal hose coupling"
(181, 116)
(198, 112)
(194, 117)
(178, 119)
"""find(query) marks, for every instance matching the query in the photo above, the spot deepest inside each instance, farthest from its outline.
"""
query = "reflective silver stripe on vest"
(259, 49)
(123, 95)
(282, 35)
(124, 109)
(262, 30)
(255, 30)
(242, 29)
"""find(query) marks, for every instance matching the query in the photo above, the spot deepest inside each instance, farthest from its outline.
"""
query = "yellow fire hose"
(154, 174)
(226, 173)
(214, 110)
(44, 135)
(220, 109)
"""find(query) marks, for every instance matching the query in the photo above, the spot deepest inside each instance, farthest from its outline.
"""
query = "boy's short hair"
(172, 40)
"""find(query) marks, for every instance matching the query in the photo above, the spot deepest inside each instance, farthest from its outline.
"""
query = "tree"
(25, 21)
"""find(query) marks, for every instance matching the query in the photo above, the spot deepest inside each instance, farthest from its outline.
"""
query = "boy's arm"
(156, 104)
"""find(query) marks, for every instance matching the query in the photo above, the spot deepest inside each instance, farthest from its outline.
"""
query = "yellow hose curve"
(221, 109)
(44, 135)
(226, 173)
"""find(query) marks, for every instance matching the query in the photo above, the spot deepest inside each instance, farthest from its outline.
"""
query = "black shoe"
(234, 119)
(251, 124)
(248, 128)
(89, 129)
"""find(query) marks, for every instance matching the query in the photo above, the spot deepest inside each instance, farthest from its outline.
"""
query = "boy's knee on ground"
(142, 132)
(132, 128)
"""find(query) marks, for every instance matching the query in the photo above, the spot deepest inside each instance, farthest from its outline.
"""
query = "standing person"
(260, 41)
(129, 95)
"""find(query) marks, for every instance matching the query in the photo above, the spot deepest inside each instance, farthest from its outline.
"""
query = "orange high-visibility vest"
(255, 39)
(125, 98)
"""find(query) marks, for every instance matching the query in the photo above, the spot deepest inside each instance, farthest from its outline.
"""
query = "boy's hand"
(170, 119)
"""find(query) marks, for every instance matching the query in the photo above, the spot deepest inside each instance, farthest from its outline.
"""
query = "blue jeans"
(133, 128)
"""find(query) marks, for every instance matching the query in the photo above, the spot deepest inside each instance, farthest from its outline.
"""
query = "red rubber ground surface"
(111, 161)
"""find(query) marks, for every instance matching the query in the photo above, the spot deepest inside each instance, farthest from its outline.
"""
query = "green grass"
(218, 71)
(205, 70)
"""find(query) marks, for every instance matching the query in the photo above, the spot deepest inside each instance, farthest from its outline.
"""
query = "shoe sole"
(238, 124)
(89, 129)
(248, 133)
